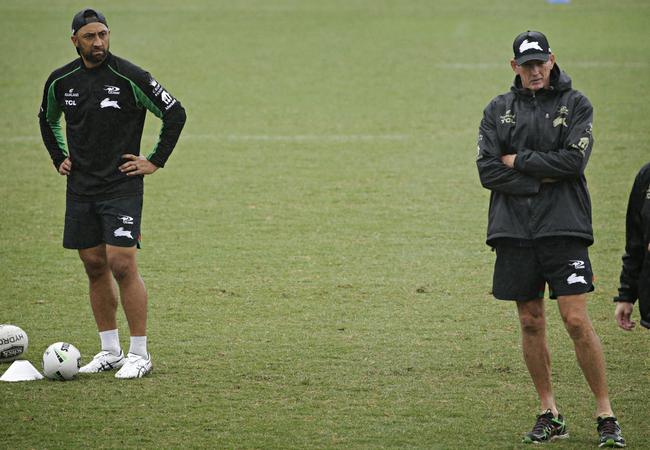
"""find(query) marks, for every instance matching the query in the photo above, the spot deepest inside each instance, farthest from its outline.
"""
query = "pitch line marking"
(299, 137)
(577, 64)
(263, 137)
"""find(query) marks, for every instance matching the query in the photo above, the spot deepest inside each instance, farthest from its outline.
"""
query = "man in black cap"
(533, 145)
(105, 99)
(635, 273)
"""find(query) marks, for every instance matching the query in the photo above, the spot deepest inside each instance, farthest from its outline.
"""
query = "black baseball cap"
(531, 45)
(86, 16)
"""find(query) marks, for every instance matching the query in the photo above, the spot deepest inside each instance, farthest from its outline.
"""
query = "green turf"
(314, 250)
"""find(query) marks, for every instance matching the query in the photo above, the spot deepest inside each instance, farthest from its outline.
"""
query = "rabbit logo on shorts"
(121, 232)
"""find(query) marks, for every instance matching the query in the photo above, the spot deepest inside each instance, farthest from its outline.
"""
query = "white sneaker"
(136, 366)
(104, 361)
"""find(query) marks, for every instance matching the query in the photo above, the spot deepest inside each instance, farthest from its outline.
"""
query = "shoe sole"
(527, 440)
(611, 443)
(560, 436)
(137, 376)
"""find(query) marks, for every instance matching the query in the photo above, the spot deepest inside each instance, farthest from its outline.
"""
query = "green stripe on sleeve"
(53, 115)
(143, 100)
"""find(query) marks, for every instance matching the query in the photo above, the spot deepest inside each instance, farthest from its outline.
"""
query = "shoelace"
(543, 424)
(608, 426)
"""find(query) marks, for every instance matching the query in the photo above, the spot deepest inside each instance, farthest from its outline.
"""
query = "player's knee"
(532, 324)
(122, 267)
(95, 266)
(576, 325)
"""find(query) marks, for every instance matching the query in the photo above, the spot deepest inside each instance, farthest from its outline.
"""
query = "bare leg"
(589, 352)
(122, 263)
(103, 295)
(536, 354)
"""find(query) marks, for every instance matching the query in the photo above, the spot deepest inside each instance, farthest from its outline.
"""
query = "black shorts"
(90, 223)
(523, 268)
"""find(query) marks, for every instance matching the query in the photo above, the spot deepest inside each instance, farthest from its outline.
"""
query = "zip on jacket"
(545, 194)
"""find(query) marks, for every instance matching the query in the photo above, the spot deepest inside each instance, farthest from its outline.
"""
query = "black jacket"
(546, 192)
(104, 110)
(635, 274)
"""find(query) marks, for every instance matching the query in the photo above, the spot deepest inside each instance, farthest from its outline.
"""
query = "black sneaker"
(610, 432)
(546, 429)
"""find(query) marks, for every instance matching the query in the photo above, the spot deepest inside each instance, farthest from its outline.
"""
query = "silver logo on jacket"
(508, 117)
(112, 90)
(563, 112)
(108, 103)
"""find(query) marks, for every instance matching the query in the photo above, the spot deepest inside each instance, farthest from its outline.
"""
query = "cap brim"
(532, 57)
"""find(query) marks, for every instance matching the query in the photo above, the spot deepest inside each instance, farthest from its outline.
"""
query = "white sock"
(138, 345)
(110, 341)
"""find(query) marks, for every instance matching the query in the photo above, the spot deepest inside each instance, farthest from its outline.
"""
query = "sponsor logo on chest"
(509, 118)
(112, 90)
(108, 103)
(71, 97)
(562, 115)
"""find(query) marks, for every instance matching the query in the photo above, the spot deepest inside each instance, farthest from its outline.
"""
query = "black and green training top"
(104, 109)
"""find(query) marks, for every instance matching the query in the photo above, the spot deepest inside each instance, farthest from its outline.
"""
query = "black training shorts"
(90, 223)
(523, 268)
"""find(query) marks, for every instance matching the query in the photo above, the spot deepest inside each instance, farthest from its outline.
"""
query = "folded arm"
(494, 174)
(570, 160)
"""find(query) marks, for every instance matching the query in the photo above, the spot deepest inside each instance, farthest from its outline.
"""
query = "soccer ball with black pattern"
(61, 361)
(13, 342)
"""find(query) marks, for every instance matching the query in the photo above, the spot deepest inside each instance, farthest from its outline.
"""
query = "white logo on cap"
(528, 45)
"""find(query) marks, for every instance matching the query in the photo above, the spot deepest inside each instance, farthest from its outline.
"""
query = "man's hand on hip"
(137, 165)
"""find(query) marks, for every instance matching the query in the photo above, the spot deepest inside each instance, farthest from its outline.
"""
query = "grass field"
(314, 250)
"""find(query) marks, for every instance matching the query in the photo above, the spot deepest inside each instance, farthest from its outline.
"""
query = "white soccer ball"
(13, 342)
(61, 361)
